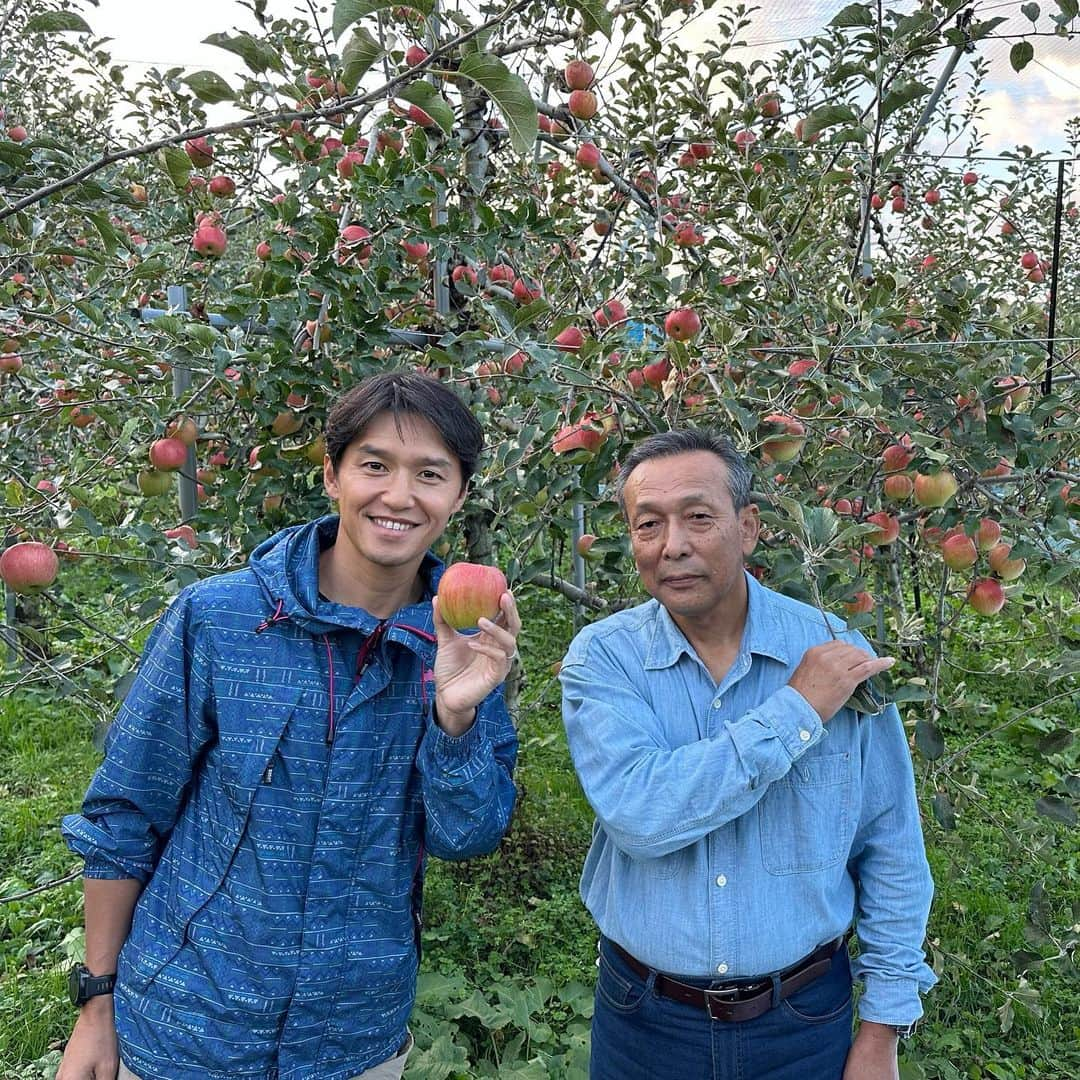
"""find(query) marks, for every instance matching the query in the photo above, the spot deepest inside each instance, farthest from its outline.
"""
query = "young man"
(300, 734)
(746, 815)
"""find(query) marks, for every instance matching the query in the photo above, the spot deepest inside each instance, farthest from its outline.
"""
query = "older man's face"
(688, 540)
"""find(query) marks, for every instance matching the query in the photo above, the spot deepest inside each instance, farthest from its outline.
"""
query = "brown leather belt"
(737, 1002)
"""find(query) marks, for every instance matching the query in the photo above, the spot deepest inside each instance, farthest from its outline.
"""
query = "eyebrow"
(375, 451)
(688, 500)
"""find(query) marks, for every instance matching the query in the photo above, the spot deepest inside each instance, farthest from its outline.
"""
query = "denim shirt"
(734, 831)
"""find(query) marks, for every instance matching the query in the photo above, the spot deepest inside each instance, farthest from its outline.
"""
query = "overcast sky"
(1030, 108)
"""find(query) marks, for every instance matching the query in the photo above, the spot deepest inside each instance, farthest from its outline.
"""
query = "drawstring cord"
(277, 617)
(330, 665)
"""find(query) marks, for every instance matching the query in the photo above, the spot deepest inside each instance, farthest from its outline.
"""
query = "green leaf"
(424, 95)
(57, 22)
(1069, 9)
(109, 236)
(902, 95)
(258, 55)
(510, 93)
(1021, 54)
(210, 87)
(1030, 11)
(358, 55)
(928, 740)
(1056, 808)
(943, 811)
(853, 15)
(826, 116)
(347, 12)
(177, 164)
(595, 17)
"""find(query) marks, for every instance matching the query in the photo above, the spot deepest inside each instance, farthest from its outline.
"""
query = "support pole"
(181, 377)
(1055, 270)
(963, 21)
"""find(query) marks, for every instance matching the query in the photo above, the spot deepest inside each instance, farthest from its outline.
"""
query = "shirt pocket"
(803, 819)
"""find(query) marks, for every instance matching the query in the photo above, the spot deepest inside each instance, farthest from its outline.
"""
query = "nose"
(399, 490)
(676, 541)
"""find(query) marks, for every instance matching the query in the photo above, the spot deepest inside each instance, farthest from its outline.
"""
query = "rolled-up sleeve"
(159, 732)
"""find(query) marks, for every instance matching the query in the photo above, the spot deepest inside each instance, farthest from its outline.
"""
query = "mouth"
(392, 525)
(681, 581)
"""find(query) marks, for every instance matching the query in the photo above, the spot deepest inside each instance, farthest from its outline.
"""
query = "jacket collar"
(762, 634)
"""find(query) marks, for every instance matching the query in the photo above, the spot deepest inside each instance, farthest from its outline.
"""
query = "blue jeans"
(638, 1035)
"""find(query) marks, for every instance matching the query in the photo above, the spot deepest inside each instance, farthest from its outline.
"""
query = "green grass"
(1005, 1007)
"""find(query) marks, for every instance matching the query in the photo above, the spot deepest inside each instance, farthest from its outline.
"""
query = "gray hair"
(689, 441)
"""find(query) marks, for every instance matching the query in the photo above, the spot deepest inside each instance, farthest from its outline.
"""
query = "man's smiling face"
(395, 490)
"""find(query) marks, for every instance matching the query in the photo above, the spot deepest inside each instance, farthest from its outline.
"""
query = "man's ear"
(749, 527)
(461, 498)
(329, 478)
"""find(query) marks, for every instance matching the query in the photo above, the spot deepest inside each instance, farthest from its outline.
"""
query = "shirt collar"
(761, 635)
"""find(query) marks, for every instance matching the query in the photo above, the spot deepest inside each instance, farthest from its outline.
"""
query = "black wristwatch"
(82, 986)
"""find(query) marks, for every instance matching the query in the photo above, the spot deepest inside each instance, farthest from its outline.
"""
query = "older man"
(746, 815)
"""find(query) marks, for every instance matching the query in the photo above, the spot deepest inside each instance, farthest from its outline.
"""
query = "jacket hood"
(287, 568)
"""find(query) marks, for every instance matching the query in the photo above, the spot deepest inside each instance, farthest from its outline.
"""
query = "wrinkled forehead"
(668, 483)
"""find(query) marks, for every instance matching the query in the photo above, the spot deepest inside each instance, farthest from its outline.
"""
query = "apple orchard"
(592, 235)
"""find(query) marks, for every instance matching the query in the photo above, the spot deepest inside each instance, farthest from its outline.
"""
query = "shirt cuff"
(453, 753)
(888, 1000)
(799, 726)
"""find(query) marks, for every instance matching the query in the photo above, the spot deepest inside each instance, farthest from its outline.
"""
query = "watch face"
(74, 983)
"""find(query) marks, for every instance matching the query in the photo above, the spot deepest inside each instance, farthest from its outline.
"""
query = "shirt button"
(717, 703)
(721, 881)
(804, 735)
(722, 968)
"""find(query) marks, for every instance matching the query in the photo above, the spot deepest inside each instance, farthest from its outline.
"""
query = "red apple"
(579, 75)
(582, 104)
(897, 457)
(932, 197)
(688, 234)
(987, 534)
(10, 363)
(168, 455)
(17, 133)
(183, 428)
(415, 54)
(888, 528)
(898, 486)
(682, 324)
(209, 240)
(185, 533)
(768, 105)
(744, 139)
(415, 250)
(526, 289)
(222, 186)
(861, 604)
(970, 178)
(986, 596)
(579, 436)
(463, 273)
(877, 201)
(569, 339)
(609, 313)
(29, 567)
(1007, 569)
(585, 542)
(501, 272)
(587, 156)
(199, 151)
(788, 445)
(656, 373)
(958, 551)
(935, 489)
(1029, 260)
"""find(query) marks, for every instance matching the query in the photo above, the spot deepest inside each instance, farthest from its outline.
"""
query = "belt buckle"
(719, 1002)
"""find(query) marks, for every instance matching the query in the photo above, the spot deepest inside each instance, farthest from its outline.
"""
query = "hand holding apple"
(469, 666)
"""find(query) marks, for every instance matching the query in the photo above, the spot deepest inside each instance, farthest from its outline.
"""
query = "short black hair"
(405, 393)
(689, 441)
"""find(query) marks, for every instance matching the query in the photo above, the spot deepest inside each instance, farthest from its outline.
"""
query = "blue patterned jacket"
(274, 778)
